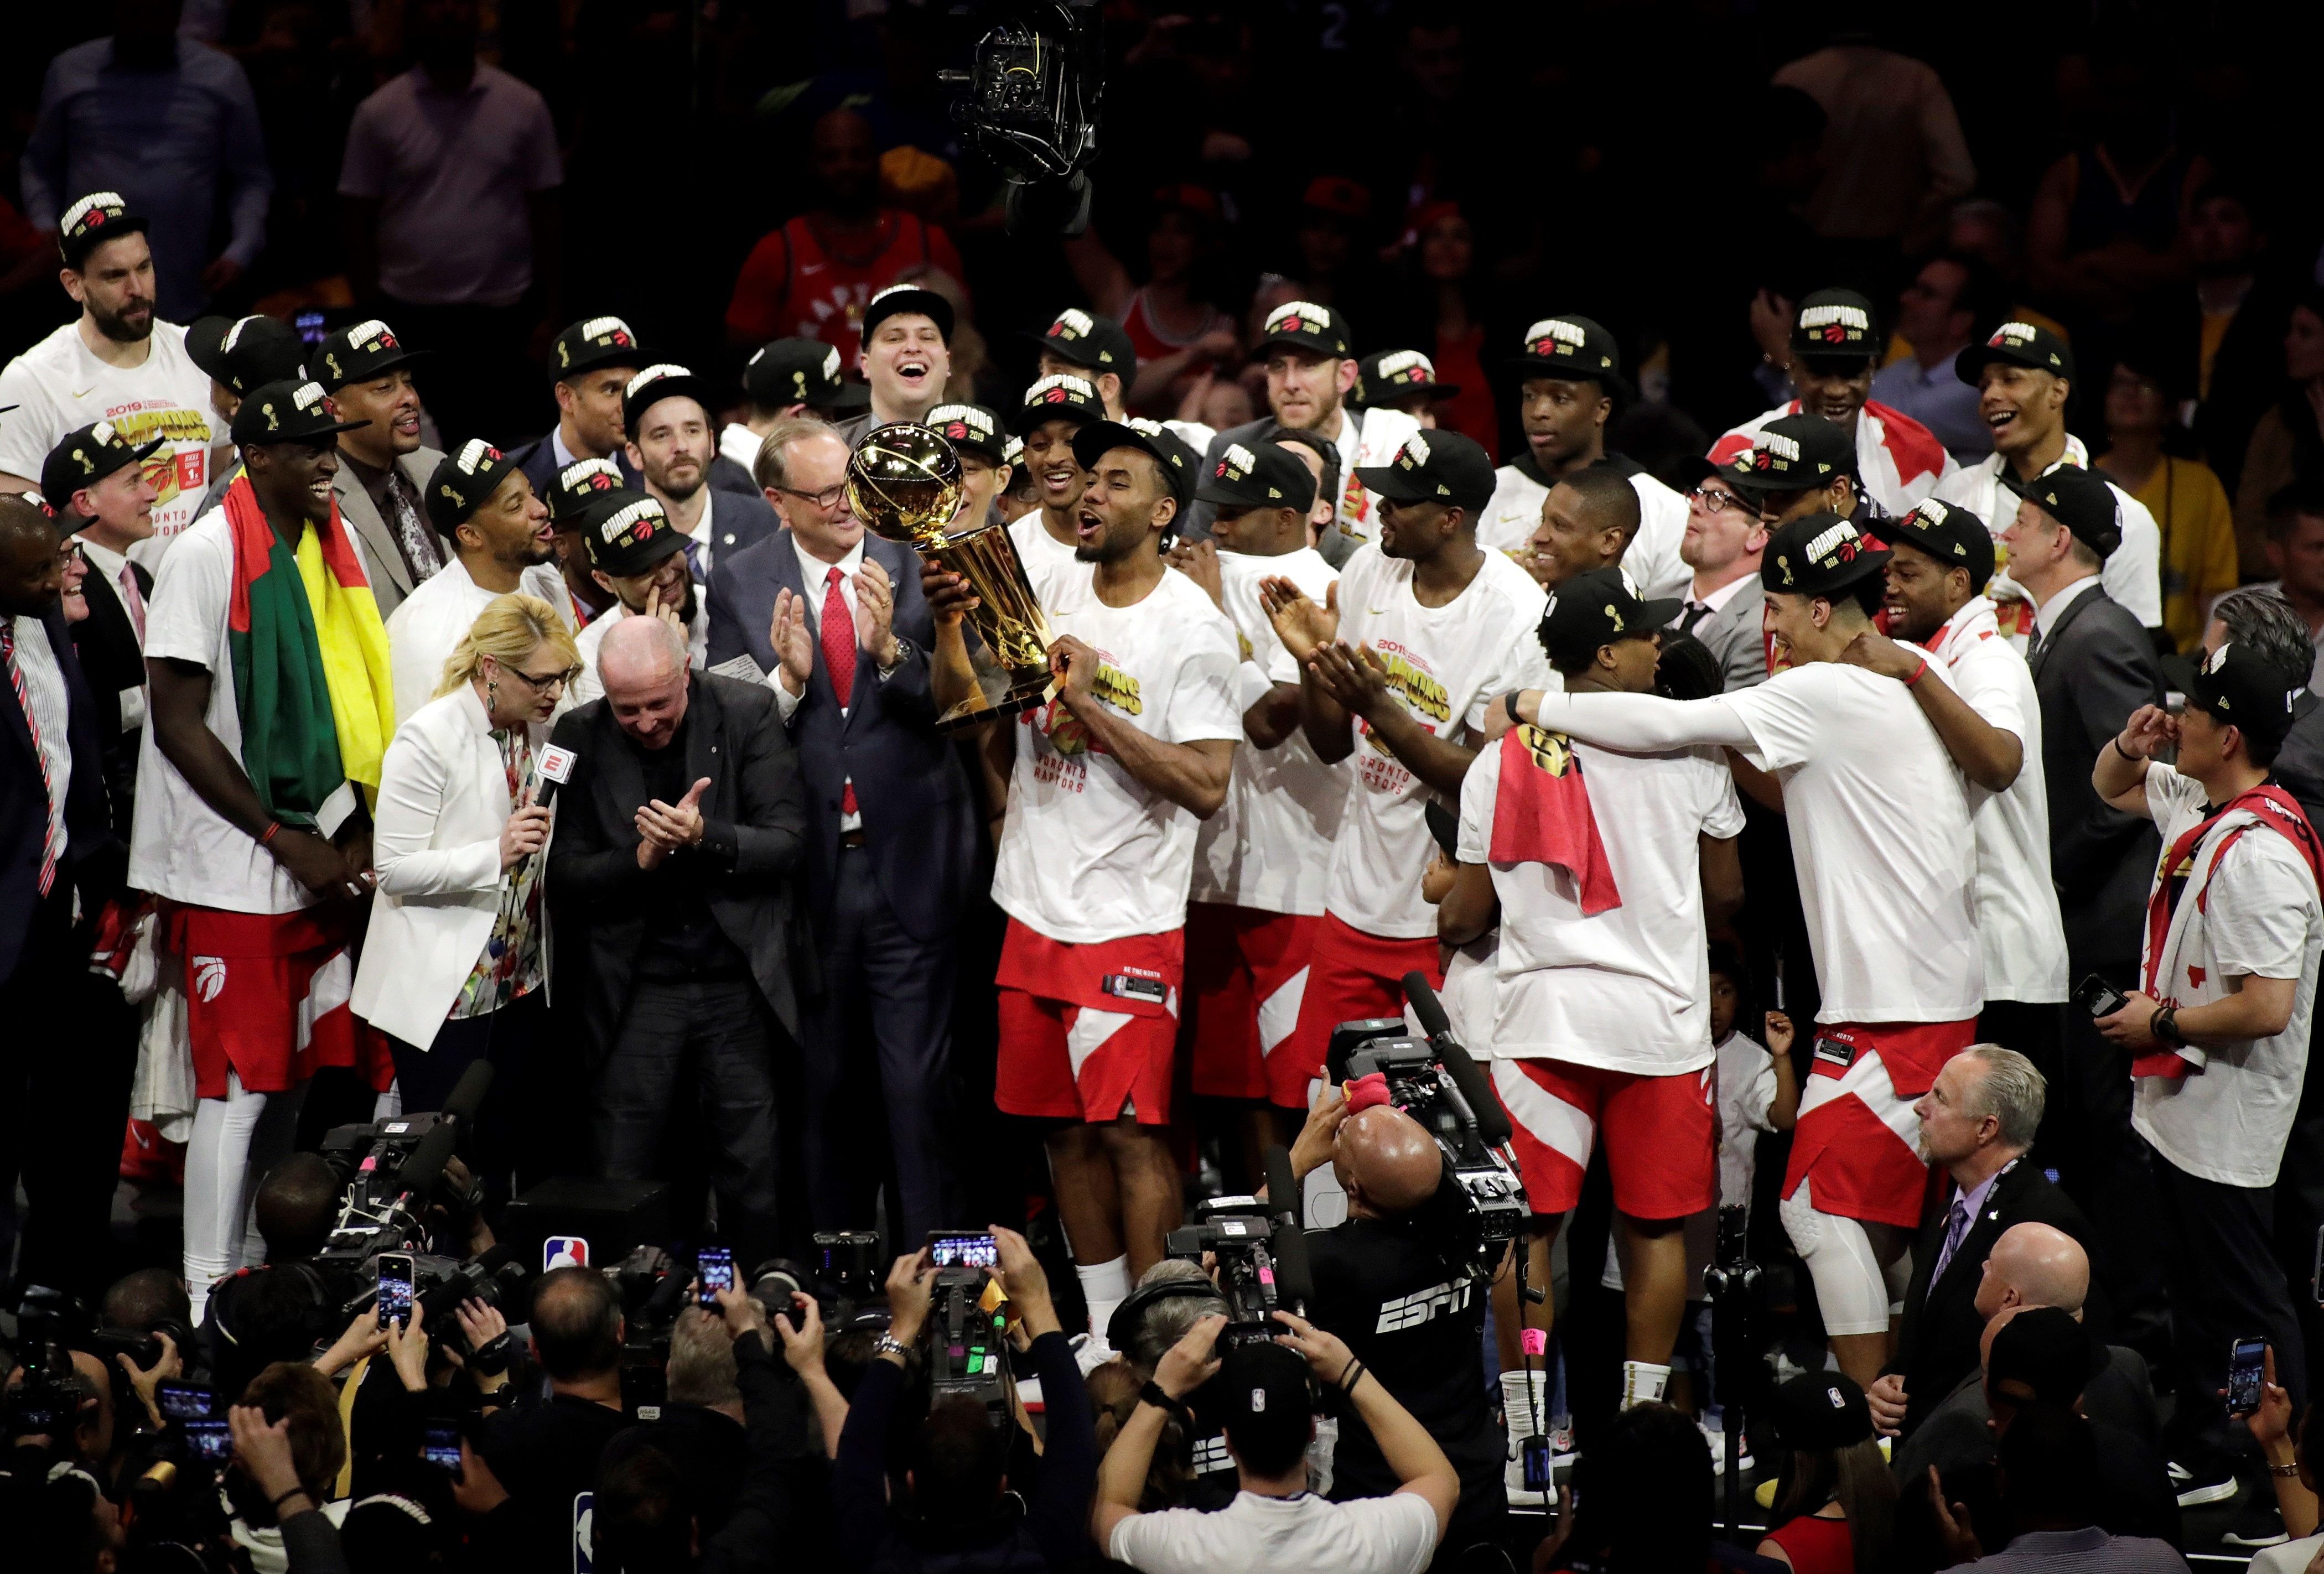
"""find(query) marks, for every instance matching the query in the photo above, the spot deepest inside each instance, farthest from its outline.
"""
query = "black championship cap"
(1437, 466)
(1835, 323)
(1261, 475)
(2236, 687)
(2044, 1354)
(1820, 1411)
(591, 343)
(899, 298)
(462, 482)
(242, 352)
(1060, 396)
(90, 222)
(972, 426)
(794, 371)
(1096, 343)
(1572, 347)
(655, 383)
(1817, 555)
(1261, 1392)
(1304, 326)
(2082, 503)
(629, 533)
(1792, 453)
(358, 353)
(580, 484)
(1393, 376)
(1954, 536)
(287, 412)
(1596, 609)
(1180, 463)
(84, 457)
(2016, 343)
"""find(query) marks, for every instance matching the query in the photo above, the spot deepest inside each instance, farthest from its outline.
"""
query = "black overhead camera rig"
(1036, 77)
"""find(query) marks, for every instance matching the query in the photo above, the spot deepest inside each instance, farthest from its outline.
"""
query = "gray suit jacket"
(390, 581)
(1732, 635)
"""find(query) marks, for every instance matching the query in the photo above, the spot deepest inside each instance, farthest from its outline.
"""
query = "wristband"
(1151, 1394)
(273, 828)
(1349, 1375)
(2285, 1472)
(1510, 704)
(2164, 1026)
(491, 1358)
(1919, 673)
(2115, 742)
(275, 1507)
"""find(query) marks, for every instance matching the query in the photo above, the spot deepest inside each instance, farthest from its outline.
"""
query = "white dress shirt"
(111, 564)
(815, 573)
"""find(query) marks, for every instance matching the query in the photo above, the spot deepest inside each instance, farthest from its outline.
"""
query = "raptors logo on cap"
(474, 452)
(1836, 545)
(1073, 323)
(589, 475)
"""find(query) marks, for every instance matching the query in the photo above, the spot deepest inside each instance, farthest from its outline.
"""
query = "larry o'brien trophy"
(903, 482)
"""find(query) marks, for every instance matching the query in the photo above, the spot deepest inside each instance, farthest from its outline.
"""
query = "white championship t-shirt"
(2260, 917)
(1652, 558)
(1270, 847)
(1302, 1534)
(1880, 834)
(2017, 923)
(1445, 663)
(1042, 554)
(1627, 989)
(58, 386)
(1087, 852)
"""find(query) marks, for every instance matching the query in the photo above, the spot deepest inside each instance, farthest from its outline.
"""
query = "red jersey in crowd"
(794, 284)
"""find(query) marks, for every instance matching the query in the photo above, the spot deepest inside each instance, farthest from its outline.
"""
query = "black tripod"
(1731, 1282)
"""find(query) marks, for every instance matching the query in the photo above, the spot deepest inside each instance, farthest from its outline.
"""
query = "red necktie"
(839, 657)
(134, 600)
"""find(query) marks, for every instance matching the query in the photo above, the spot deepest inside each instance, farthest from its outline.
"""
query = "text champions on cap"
(589, 475)
(1058, 387)
(108, 200)
(1560, 333)
(654, 373)
(646, 511)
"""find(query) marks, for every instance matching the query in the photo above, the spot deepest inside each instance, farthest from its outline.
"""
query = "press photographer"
(544, 1449)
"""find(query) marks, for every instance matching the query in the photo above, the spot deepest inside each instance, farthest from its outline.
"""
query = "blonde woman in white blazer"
(455, 966)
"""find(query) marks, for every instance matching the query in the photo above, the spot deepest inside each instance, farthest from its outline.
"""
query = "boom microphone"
(426, 1166)
(1492, 1120)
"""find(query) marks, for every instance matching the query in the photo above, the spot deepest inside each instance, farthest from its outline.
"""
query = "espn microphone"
(1492, 1120)
(556, 768)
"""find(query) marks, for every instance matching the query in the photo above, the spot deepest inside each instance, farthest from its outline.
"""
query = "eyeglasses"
(827, 499)
(565, 677)
(1719, 501)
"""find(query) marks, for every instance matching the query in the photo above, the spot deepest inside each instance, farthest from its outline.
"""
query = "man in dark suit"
(2093, 665)
(590, 365)
(60, 1112)
(96, 481)
(673, 446)
(835, 616)
(381, 484)
(673, 882)
(1978, 1121)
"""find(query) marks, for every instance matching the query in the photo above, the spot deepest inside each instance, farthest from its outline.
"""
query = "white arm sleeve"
(1643, 722)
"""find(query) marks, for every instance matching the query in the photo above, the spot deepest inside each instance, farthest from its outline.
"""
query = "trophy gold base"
(1001, 693)
(1012, 652)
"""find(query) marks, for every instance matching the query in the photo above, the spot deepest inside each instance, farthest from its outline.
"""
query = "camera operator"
(1194, 1469)
(951, 1508)
(1269, 1421)
(544, 1451)
(1415, 1321)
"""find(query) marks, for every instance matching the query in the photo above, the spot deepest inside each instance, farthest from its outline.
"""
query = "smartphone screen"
(309, 325)
(2246, 1375)
(184, 1401)
(211, 1440)
(442, 1449)
(394, 1288)
(963, 1251)
(714, 1266)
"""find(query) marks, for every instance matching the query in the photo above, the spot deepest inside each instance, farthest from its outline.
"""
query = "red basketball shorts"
(1246, 975)
(1350, 975)
(1858, 1138)
(1087, 1032)
(1660, 1134)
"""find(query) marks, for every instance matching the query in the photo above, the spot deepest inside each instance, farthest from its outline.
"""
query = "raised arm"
(1420, 1466)
(2120, 773)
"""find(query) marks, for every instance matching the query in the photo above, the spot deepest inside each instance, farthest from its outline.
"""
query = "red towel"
(1542, 814)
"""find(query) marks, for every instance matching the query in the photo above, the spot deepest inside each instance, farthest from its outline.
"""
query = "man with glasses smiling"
(1724, 540)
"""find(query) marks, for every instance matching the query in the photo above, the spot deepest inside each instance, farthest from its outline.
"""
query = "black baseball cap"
(2236, 687)
(1059, 396)
(1954, 536)
(628, 533)
(90, 222)
(1087, 340)
(2045, 1353)
(1819, 1411)
(1819, 554)
(1438, 467)
(1792, 453)
(1835, 324)
(899, 298)
(1180, 463)
(580, 484)
(2019, 344)
(1262, 1399)
(591, 343)
(463, 481)
(664, 379)
(84, 457)
(1258, 475)
(287, 412)
(1393, 376)
(794, 371)
(1574, 347)
(1598, 608)
(2082, 503)
(971, 427)
(358, 353)
(241, 352)
(1306, 325)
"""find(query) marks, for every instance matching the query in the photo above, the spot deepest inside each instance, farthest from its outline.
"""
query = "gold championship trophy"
(903, 482)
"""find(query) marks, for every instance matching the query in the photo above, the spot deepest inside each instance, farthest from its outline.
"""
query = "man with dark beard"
(672, 442)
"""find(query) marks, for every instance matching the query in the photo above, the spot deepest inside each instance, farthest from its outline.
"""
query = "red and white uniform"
(1092, 866)
(2132, 574)
(1604, 1019)
(1445, 664)
(1900, 460)
(1259, 862)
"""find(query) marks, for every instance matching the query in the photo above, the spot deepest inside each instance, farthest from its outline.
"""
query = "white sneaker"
(1091, 1351)
(1717, 1440)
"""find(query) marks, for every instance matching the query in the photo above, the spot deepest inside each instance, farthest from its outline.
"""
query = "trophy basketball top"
(903, 482)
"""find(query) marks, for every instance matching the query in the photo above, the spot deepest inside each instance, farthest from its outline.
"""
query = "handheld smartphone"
(1539, 1475)
(2099, 998)
(394, 1288)
(211, 1438)
(714, 1266)
(442, 1446)
(2246, 1375)
(959, 1249)
(184, 1401)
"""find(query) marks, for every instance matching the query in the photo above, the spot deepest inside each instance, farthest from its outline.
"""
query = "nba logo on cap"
(564, 1251)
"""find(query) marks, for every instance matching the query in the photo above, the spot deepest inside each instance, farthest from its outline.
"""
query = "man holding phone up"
(2218, 1029)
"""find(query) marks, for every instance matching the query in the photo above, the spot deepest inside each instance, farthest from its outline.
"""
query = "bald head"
(1386, 1161)
(2033, 1264)
(642, 665)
